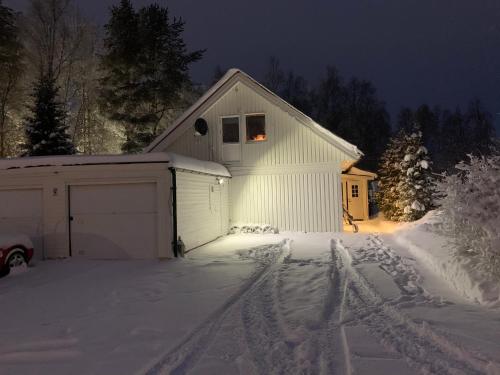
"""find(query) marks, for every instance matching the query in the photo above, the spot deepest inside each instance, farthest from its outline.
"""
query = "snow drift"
(426, 242)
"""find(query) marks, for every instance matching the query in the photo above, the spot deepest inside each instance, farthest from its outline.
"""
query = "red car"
(15, 251)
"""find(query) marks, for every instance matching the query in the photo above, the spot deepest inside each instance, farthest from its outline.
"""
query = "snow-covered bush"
(471, 212)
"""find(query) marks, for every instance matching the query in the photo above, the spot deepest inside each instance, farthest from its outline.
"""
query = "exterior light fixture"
(220, 180)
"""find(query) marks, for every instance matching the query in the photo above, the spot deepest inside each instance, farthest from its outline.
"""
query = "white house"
(109, 207)
(286, 169)
(239, 155)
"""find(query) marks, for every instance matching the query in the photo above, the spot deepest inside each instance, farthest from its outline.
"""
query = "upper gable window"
(231, 130)
(256, 128)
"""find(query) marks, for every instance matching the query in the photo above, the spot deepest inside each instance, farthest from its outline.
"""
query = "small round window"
(201, 127)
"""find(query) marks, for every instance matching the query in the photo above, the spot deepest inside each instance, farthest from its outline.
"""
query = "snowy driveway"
(249, 304)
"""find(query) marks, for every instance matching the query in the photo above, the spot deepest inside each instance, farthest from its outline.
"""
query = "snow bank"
(175, 160)
(425, 241)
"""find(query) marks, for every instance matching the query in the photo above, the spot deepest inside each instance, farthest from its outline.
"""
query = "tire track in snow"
(275, 345)
(184, 356)
(334, 338)
(419, 344)
(271, 351)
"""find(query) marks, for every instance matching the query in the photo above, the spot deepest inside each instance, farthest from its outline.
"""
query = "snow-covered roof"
(225, 83)
(360, 172)
(196, 165)
(174, 160)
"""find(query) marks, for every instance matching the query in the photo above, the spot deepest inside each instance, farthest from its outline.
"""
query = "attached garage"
(113, 207)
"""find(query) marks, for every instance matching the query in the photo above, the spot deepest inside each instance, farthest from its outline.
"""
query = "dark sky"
(435, 51)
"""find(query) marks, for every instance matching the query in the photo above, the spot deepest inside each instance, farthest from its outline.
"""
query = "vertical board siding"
(289, 141)
(308, 200)
(297, 202)
(198, 221)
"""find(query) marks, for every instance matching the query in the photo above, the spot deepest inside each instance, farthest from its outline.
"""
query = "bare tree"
(92, 132)
(274, 78)
(11, 70)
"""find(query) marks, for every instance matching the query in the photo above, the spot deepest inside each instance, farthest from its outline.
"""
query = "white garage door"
(114, 221)
(21, 212)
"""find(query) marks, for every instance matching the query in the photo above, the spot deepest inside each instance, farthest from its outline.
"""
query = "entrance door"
(231, 142)
(355, 199)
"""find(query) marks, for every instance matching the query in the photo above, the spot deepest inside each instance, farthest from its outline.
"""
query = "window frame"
(265, 127)
(222, 129)
(354, 189)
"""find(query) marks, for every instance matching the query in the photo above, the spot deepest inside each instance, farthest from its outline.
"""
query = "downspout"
(174, 211)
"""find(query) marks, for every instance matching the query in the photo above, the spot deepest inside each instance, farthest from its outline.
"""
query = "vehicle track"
(185, 355)
(423, 347)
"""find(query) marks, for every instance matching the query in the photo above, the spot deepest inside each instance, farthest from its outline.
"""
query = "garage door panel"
(21, 212)
(116, 198)
(114, 236)
(114, 221)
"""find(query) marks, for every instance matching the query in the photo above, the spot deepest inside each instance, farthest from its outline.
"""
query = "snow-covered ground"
(251, 304)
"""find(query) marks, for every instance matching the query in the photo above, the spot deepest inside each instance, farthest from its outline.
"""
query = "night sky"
(435, 51)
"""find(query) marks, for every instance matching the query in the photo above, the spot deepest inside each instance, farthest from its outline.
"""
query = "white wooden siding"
(291, 180)
(307, 201)
(289, 142)
(201, 216)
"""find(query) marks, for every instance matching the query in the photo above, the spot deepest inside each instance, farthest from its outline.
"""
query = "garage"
(113, 206)
(113, 221)
(21, 212)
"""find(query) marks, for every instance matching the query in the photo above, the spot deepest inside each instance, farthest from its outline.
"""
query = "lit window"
(355, 191)
(256, 128)
(231, 130)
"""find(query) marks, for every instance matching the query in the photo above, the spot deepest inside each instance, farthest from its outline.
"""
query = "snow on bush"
(253, 228)
(406, 185)
(471, 213)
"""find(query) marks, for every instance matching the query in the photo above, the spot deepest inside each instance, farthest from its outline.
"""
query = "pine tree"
(390, 176)
(415, 187)
(145, 68)
(46, 131)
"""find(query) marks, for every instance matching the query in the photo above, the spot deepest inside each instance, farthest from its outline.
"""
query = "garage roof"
(174, 160)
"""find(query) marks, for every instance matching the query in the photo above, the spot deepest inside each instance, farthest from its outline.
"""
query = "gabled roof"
(226, 83)
(360, 172)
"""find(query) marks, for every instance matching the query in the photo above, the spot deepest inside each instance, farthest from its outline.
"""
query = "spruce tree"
(415, 187)
(144, 70)
(46, 131)
(389, 177)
